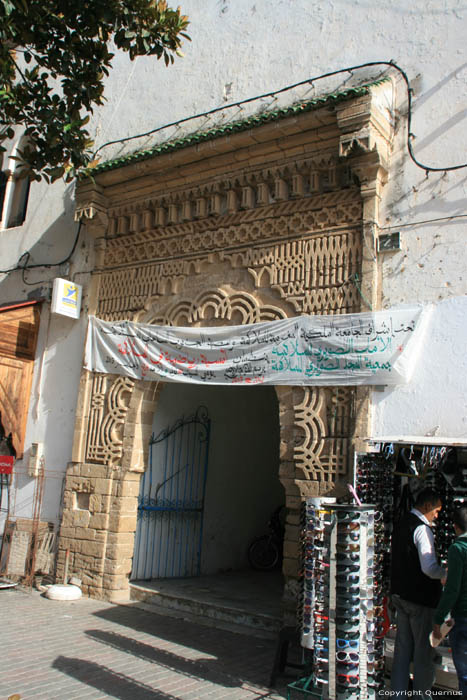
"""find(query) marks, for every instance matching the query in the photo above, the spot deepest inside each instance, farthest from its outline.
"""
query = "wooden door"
(18, 338)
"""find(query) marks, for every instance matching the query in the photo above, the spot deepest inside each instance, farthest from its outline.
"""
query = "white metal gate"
(171, 501)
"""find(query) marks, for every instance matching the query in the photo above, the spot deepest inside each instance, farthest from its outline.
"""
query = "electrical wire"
(370, 64)
(350, 69)
(419, 223)
(33, 266)
(355, 279)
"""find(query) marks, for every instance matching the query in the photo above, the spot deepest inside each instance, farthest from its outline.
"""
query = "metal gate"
(171, 501)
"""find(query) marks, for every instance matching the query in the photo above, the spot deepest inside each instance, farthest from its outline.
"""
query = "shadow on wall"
(53, 245)
(429, 190)
(51, 404)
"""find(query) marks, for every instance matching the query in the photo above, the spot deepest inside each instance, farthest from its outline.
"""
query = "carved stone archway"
(252, 233)
(102, 490)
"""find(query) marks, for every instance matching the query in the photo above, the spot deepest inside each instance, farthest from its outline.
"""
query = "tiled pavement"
(89, 649)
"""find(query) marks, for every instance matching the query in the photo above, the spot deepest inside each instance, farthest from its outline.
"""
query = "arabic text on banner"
(367, 348)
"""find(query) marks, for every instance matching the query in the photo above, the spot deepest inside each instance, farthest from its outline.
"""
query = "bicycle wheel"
(263, 553)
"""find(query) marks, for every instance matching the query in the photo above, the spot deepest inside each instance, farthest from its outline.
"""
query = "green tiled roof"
(236, 126)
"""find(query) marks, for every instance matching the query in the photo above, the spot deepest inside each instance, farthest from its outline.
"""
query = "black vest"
(407, 577)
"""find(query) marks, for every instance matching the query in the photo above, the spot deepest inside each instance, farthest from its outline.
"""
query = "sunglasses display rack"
(374, 483)
(448, 478)
(390, 479)
(340, 601)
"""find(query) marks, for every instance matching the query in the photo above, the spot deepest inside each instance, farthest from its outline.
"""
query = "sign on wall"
(368, 348)
(6, 464)
(66, 298)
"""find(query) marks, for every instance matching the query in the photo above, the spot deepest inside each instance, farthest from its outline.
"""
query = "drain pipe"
(65, 573)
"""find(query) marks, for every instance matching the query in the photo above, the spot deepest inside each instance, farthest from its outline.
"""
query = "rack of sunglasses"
(375, 484)
(382, 477)
(448, 476)
(342, 601)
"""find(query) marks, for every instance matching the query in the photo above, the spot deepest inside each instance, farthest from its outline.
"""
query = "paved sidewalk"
(89, 649)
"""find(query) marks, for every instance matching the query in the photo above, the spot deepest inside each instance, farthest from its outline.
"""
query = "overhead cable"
(350, 69)
(369, 64)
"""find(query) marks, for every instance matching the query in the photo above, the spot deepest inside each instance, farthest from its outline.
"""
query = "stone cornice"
(365, 125)
(282, 117)
(92, 207)
(305, 155)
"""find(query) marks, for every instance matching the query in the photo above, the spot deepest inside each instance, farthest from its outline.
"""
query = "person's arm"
(425, 543)
(453, 585)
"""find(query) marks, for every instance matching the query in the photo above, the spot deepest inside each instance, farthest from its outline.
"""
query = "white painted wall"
(244, 48)
(435, 398)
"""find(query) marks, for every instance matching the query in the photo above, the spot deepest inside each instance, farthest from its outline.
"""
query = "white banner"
(368, 348)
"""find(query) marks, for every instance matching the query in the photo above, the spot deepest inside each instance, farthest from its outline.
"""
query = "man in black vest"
(416, 587)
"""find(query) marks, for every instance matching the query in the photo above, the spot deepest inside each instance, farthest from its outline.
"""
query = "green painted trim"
(235, 127)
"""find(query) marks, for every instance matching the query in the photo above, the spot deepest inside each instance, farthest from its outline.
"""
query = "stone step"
(221, 615)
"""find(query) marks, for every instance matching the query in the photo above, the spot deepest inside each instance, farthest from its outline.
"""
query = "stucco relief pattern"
(312, 271)
(241, 308)
(324, 418)
(313, 274)
(293, 217)
(109, 404)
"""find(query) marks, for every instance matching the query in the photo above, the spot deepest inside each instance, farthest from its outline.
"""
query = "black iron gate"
(171, 502)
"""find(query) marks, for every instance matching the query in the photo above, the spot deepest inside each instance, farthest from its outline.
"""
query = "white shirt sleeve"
(425, 543)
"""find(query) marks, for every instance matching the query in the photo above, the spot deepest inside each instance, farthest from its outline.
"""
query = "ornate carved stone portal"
(268, 223)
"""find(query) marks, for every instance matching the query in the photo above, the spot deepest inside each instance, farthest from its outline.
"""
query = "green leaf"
(72, 48)
(55, 173)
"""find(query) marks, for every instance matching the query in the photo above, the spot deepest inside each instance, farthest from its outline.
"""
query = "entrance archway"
(314, 441)
(275, 227)
(242, 476)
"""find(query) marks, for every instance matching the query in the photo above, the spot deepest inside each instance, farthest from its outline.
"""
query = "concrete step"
(228, 615)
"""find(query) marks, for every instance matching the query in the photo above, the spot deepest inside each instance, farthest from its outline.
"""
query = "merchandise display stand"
(374, 483)
(346, 566)
(341, 618)
(390, 478)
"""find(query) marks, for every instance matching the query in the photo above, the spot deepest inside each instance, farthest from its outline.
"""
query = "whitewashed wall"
(243, 48)
(435, 400)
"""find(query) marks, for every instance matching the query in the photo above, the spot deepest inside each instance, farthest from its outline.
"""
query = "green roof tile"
(237, 126)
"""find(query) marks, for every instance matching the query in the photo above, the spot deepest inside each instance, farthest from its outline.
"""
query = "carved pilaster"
(366, 141)
(92, 207)
(366, 124)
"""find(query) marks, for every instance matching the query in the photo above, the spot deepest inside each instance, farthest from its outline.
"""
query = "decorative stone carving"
(365, 125)
(238, 308)
(324, 417)
(300, 178)
(313, 274)
(237, 228)
(312, 287)
(258, 234)
(109, 404)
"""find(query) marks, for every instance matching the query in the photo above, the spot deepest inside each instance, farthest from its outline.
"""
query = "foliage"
(54, 56)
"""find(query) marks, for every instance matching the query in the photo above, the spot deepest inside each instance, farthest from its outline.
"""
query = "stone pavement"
(90, 649)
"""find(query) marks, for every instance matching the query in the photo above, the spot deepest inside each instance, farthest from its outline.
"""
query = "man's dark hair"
(459, 517)
(427, 497)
